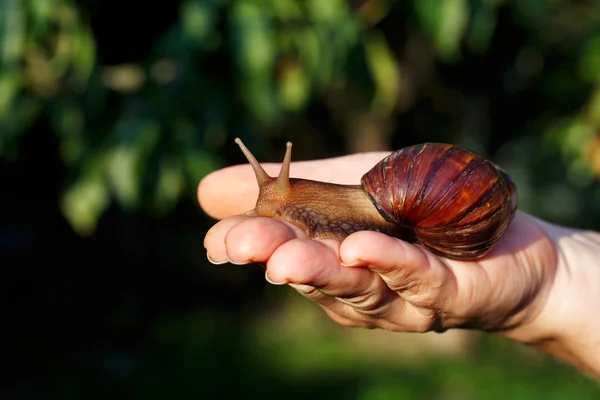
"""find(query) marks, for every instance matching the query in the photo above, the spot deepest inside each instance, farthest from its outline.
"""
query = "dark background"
(112, 111)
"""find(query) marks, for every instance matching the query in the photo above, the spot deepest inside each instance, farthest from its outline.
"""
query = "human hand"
(384, 282)
(373, 280)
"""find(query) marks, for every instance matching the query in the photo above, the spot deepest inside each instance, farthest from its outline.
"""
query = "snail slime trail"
(450, 200)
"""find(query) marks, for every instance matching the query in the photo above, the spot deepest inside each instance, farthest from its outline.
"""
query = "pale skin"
(540, 284)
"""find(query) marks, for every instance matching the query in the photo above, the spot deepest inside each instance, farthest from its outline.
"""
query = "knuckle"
(373, 303)
(308, 291)
(368, 303)
(348, 323)
(347, 318)
(403, 284)
(425, 326)
(426, 298)
(422, 322)
(428, 323)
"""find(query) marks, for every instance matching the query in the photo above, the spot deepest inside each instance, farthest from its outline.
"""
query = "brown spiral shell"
(449, 199)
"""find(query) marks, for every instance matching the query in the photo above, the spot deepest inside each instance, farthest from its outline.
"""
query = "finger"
(229, 191)
(255, 239)
(316, 263)
(234, 190)
(415, 274)
(313, 268)
(214, 241)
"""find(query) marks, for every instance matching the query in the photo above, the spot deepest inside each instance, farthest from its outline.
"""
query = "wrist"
(566, 322)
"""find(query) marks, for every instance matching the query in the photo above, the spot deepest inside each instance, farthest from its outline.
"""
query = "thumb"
(418, 276)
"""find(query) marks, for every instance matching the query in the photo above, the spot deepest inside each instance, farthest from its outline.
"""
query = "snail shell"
(449, 199)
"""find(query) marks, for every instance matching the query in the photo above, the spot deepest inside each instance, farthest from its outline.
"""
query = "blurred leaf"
(10, 84)
(65, 19)
(569, 135)
(12, 32)
(198, 19)
(253, 38)
(196, 151)
(589, 62)
(430, 15)
(128, 160)
(572, 137)
(482, 25)
(452, 27)
(124, 176)
(68, 121)
(287, 10)
(294, 87)
(593, 108)
(197, 164)
(446, 22)
(327, 11)
(385, 71)
(87, 197)
(258, 94)
(373, 11)
(254, 52)
(169, 185)
(21, 114)
(310, 53)
(41, 14)
(84, 56)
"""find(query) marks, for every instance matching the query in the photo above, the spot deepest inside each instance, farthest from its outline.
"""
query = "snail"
(443, 197)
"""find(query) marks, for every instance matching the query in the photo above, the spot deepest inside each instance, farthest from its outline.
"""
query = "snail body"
(445, 198)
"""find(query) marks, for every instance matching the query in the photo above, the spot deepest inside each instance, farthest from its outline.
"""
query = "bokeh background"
(111, 111)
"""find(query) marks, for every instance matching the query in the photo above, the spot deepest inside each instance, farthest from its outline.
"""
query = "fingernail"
(268, 279)
(237, 262)
(302, 287)
(215, 262)
(352, 264)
